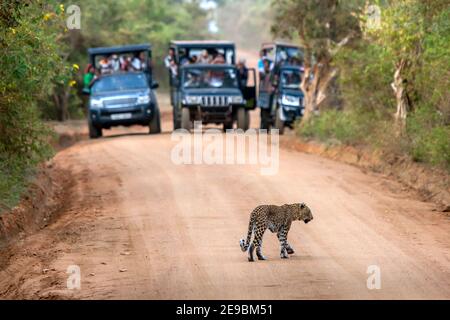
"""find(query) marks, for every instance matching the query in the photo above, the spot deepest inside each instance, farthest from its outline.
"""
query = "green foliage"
(365, 77)
(433, 80)
(30, 67)
(318, 24)
(333, 126)
(429, 137)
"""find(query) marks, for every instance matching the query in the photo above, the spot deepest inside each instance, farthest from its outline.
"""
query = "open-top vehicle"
(280, 96)
(122, 96)
(210, 92)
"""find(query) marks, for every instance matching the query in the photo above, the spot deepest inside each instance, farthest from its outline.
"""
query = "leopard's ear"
(302, 205)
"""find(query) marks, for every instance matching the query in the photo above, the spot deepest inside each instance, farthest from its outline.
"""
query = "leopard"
(277, 219)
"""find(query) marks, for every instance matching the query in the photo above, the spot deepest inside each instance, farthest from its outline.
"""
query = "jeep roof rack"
(208, 65)
(202, 43)
(119, 49)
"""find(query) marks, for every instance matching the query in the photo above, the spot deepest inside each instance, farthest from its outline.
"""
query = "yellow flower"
(61, 7)
(75, 67)
(72, 83)
(13, 30)
(47, 16)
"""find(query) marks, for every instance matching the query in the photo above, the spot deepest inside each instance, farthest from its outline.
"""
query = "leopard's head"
(304, 212)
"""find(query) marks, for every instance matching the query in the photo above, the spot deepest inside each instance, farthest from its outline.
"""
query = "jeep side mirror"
(155, 85)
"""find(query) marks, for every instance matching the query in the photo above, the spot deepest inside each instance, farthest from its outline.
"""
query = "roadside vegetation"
(378, 79)
(31, 69)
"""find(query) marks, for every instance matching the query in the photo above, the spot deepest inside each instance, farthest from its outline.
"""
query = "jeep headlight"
(192, 100)
(96, 103)
(236, 99)
(143, 99)
(290, 101)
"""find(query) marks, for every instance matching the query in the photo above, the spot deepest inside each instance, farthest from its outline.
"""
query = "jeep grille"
(215, 101)
(123, 102)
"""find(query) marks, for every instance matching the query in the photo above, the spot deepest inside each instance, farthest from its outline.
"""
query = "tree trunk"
(401, 96)
(315, 89)
(61, 98)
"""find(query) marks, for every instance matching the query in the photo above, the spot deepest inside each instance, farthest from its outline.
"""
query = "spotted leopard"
(277, 219)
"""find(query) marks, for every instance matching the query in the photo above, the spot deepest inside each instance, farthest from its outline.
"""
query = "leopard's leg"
(258, 250)
(251, 248)
(257, 240)
(282, 237)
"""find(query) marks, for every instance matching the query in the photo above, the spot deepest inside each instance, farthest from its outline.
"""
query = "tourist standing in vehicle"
(115, 63)
(265, 86)
(105, 65)
(169, 62)
(243, 72)
(204, 57)
(169, 58)
(218, 59)
(136, 63)
(262, 55)
(89, 78)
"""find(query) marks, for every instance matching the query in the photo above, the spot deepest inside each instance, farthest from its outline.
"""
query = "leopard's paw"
(290, 250)
(242, 244)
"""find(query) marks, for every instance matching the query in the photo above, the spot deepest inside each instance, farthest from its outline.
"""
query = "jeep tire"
(242, 118)
(155, 122)
(94, 132)
(279, 124)
(227, 125)
(186, 122)
(265, 119)
(176, 117)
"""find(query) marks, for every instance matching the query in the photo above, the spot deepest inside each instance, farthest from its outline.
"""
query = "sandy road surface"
(139, 227)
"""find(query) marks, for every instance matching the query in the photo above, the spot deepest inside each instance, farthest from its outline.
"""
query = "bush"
(30, 68)
(348, 127)
(429, 137)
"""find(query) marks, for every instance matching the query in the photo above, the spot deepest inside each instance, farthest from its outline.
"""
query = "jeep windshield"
(203, 78)
(290, 79)
(120, 82)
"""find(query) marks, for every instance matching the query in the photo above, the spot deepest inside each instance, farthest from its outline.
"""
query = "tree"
(322, 27)
(403, 29)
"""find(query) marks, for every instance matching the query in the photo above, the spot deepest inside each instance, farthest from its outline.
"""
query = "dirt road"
(141, 227)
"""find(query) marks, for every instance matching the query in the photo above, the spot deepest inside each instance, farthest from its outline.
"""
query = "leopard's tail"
(245, 243)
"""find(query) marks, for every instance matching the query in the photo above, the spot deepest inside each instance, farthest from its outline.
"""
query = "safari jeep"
(287, 99)
(210, 93)
(123, 97)
(213, 94)
(280, 98)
